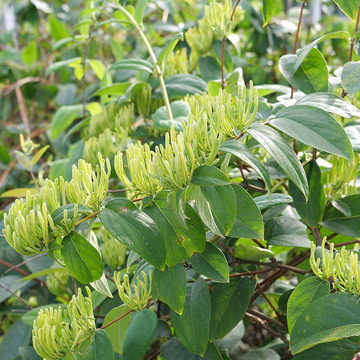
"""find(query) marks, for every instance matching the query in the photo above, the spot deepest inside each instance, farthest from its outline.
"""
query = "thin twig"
(87, 218)
(17, 296)
(23, 263)
(267, 318)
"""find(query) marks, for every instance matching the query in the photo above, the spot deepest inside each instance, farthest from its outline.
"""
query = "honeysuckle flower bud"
(140, 166)
(341, 268)
(88, 187)
(113, 251)
(124, 119)
(220, 17)
(134, 295)
(143, 100)
(176, 63)
(57, 332)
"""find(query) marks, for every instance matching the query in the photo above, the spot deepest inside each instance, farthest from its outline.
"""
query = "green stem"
(153, 58)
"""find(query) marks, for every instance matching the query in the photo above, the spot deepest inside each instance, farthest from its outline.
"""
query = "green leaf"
(98, 67)
(336, 350)
(60, 64)
(286, 231)
(192, 327)
(173, 349)
(4, 155)
(264, 202)
(17, 335)
(28, 353)
(350, 77)
(211, 263)
(133, 64)
(311, 212)
(180, 111)
(228, 305)
(206, 175)
(192, 237)
(38, 155)
(81, 258)
(13, 283)
(63, 118)
(181, 85)
(139, 11)
(100, 348)
(304, 294)
(324, 134)
(337, 316)
(223, 205)
(43, 272)
(58, 214)
(139, 335)
(347, 223)
(331, 103)
(305, 51)
(248, 222)
(253, 253)
(170, 284)
(57, 28)
(117, 331)
(241, 151)
(138, 232)
(276, 146)
(269, 10)
(349, 8)
(168, 48)
(30, 53)
(29, 317)
(18, 193)
(311, 76)
(114, 89)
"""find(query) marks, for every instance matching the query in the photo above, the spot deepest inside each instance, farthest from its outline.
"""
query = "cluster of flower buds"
(113, 251)
(341, 267)
(107, 144)
(342, 178)
(113, 118)
(177, 63)
(221, 17)
(29, 227)
(88, 187)
(136, 294)
(57, 332)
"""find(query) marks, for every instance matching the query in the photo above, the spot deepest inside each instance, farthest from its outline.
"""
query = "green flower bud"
(143, 100)
(57, 282)
(57, 332)
(137, 294)
(177, 63)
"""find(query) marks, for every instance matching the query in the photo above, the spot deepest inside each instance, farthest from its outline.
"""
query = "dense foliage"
(185, 183)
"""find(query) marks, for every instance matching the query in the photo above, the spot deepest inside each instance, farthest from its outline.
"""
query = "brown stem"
(223, 63)
(347, 243)
(297, 38)
(117, 191)
(17, 296)
(87, 218)
(317, 236)
(22, 263)
(234, 9)
(226, 249)
(266, 318)
(117, 319)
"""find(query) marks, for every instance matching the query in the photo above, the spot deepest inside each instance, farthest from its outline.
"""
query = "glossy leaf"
(241, 151)
(206, 175)
(286, 231)
(311, 76)
(100, 348)
(117, 331)
(350, 76)
(192, 327)
(170, 284)
(248, 222)
(180, 111)
(81, 258)
(139, 335)
(331, 103)
(337, 316)
(138, 232)
(211, 263)
(276, 146)
(324, 134)
(264, 202)
(269, 10)
(228, 305)
(311, 212)
(303, 295)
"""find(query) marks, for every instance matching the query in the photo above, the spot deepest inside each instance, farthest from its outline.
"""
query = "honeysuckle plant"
(183, 192)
